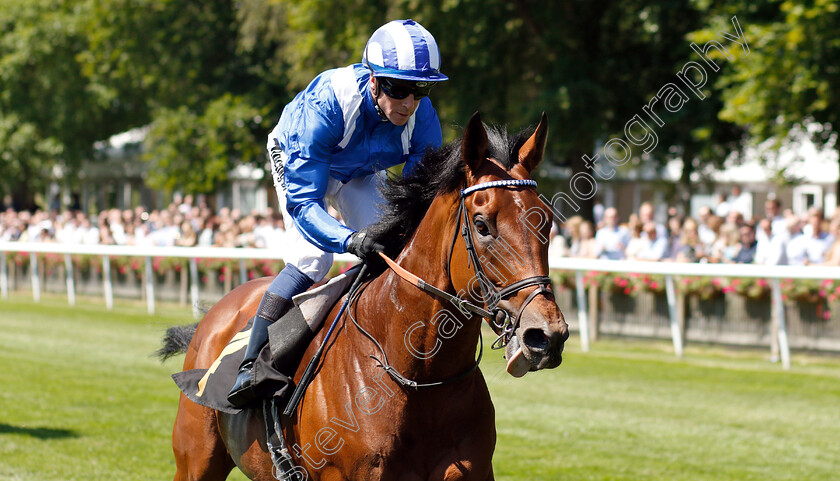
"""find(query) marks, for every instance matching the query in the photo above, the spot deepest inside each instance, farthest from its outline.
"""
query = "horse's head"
(508, 265)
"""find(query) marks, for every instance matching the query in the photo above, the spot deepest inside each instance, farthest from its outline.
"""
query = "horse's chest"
(398, 443)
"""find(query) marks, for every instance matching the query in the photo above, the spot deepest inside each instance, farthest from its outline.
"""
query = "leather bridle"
(500, 319)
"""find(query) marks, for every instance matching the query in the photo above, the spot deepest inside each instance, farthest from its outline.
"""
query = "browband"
(497, 183)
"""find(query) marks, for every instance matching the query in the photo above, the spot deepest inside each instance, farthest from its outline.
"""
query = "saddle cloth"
(210, 387)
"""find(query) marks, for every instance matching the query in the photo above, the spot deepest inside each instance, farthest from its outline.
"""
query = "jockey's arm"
(307, 186)
(307, 173)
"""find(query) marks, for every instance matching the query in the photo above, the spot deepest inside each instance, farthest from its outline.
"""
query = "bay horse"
(359, 421)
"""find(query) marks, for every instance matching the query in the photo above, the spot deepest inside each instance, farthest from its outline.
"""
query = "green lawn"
(82, 399)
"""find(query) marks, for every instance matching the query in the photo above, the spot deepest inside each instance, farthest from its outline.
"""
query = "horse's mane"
(441, 171)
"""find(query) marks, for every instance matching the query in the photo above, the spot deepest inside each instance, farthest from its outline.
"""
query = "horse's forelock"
(440, 172)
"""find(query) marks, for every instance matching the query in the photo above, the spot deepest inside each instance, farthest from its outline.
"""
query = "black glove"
(364, 247)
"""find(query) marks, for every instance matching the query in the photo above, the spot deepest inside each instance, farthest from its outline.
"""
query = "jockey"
(330, 145)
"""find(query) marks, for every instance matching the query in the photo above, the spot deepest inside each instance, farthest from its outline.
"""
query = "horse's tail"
(176, 341)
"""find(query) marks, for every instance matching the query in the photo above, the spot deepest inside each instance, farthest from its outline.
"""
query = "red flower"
(627, 290)
(716, 281)
(654, 285)
(761, 283)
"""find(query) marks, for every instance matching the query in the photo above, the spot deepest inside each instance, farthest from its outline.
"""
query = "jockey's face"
(397, 111)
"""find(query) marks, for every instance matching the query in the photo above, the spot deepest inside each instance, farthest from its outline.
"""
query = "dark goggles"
(400, 89)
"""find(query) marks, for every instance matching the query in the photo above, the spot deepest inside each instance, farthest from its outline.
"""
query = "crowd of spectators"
(717, 235)
(181, 224)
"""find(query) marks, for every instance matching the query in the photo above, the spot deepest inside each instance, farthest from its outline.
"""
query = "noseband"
(500, 319)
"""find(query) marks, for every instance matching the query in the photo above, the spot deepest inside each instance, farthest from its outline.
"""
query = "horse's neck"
(428, 337)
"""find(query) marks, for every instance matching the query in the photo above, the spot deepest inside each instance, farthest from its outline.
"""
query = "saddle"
(210, 387)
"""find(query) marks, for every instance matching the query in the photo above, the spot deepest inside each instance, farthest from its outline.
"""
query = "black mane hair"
(441, 171)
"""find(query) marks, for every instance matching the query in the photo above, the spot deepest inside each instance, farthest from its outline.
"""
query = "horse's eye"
(481, 227)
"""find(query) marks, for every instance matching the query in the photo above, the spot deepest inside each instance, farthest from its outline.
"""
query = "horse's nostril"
(536, 339)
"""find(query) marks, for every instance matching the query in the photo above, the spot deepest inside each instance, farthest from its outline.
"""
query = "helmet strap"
(376, 93)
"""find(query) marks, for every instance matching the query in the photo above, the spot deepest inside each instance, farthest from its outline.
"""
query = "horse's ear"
(474, 145)
(531, 153)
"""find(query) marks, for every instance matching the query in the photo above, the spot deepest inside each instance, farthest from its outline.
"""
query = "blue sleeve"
(427, 135)
(313, 130)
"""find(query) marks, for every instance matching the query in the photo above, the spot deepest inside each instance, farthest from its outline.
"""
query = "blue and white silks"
(331, 133)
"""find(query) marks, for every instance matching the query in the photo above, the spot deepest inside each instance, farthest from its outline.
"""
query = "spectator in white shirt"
(778, 224)
(612, 239)
(656, 248)
(722, 206)
(741, 202)
(557, 246)
(795, 250)
(638, 240)
(816, 242)
(707, 236)
(646, 214)
(771, 250)
(89, 233)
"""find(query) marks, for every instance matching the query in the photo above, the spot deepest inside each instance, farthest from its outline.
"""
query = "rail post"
(4, 276)
(676, 329)
(106, 279)
(150, 286)
(36, 276)
(194, 286)
(583, 314)
(71, 282)
(243, 272)
(779, 308)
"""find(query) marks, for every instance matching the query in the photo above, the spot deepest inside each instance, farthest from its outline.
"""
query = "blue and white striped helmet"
(403, 49)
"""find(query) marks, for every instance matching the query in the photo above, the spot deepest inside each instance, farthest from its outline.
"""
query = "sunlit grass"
(82, 399)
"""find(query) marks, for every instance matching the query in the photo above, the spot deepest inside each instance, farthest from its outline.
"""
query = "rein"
(504, 328)
(396, 375)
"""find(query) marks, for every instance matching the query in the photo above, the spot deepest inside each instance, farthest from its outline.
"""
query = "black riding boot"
(272, 307)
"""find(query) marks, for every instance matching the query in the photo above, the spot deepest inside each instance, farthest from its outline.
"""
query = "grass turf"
(82, 399)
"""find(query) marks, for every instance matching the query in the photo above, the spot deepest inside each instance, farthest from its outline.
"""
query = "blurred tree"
(49, 113)
(179, 66)
(212, 77)
(590, 65)
(791, 76)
